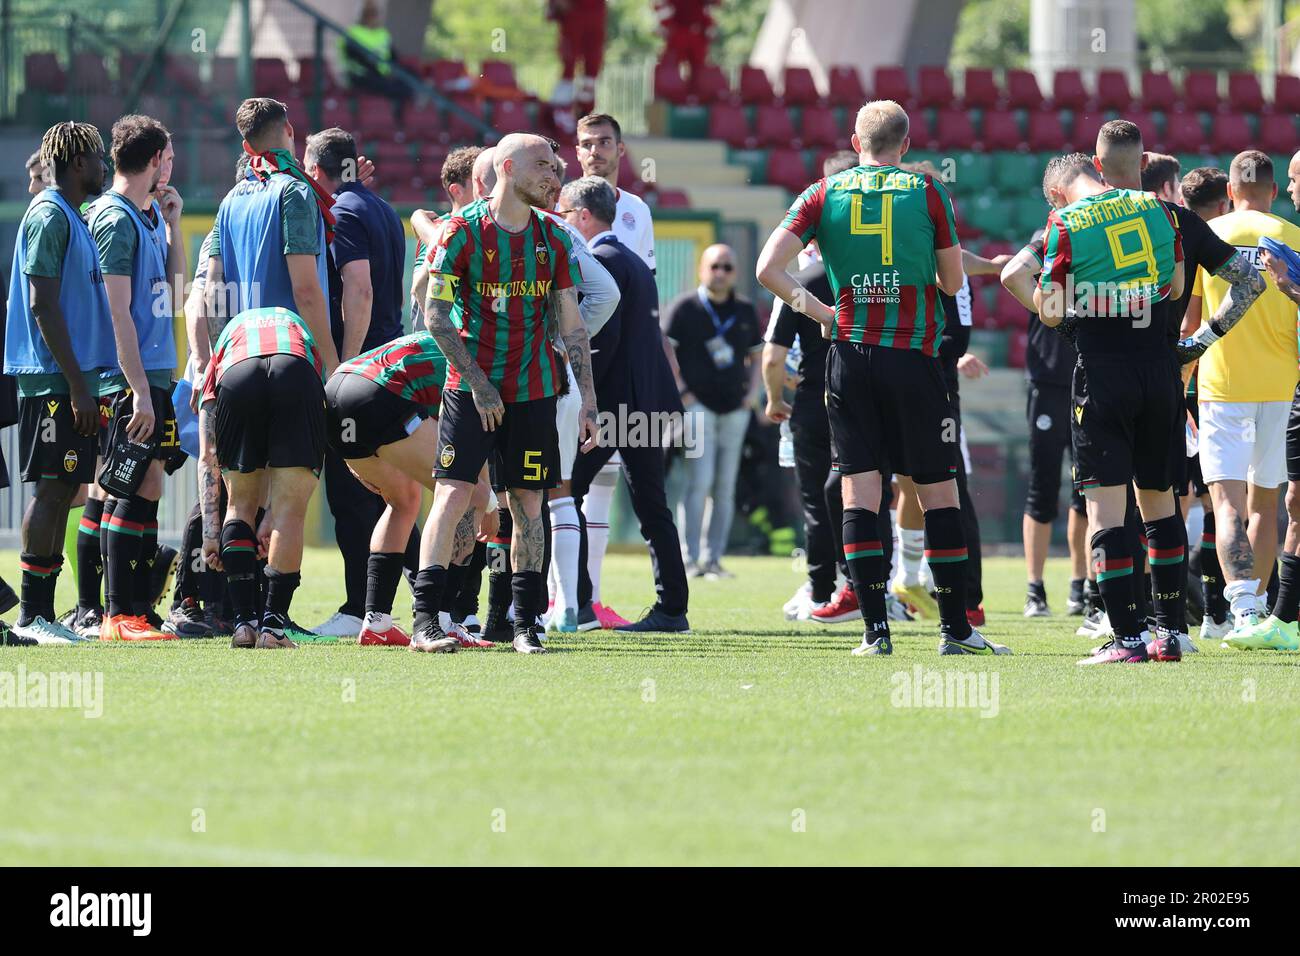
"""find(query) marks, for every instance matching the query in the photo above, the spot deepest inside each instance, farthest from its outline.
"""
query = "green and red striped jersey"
(498, 283)
(411, 367)
(877, 229)
(254, 333)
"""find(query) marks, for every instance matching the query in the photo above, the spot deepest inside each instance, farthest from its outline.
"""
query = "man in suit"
(632, 378)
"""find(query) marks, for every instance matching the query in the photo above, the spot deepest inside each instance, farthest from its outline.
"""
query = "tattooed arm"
(216, 308)
(1245, 285)
(210, 486)
(437, 316)
(577, 344)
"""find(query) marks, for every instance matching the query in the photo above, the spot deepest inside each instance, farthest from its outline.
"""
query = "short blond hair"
(882, 125)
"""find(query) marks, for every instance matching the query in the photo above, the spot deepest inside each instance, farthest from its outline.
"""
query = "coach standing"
(365, 267)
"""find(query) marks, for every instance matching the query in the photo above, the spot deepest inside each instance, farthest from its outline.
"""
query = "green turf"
(750, 741)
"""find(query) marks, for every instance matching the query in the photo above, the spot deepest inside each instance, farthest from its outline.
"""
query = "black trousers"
(356, 510)
(645, 471)
(970, 524)
(819, 492)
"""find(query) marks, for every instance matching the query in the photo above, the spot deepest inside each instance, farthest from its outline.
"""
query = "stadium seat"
(1045, 132)
(954, 129)
(497, 79)
(935, 88)
(980, 91)
(772, 127)
(510, 116)
(798, 87)
(1286, 94)
(1229, 133)
(1001, 131)
(973, 171)
(1022, 90)
(1112, 91)
(1011, 171)
(846, 87)
(305, 83)
(1183, 133)
(1201, 91)
(1152, 137)
(919, 131)
(1244, 93)
(669, 85)
(1083, 135)
(336, 111)
(729, 124)
(818, 127)
(408, 194)
(1068, 91)
(455, 127)
(786, 168)
(1018, 347)
(1158, 92)
(375, 119)
(88, 74)
(1277, 133)
(891, 84)
(672, 199)
(710, 86)
(271, 77)
(42, 72)
(755, 87)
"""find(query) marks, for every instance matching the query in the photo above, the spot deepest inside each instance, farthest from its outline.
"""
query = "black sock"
(239, 557)
(527, 588)
(1287, 605)
(1113, 563)
(383, 572)
(945, 553)
(37, 589)
(90, 561)
(498, 563)
(1076, 590)
(470, 585)
(1166, 555)
(865, 555)
(429, 584)
(1270, 590)
(107, 507)
(1092, 596)
(124, 540)
(451, 590)
(1038, 589)
(190, 569)
(1216, 607)
(259, 577)
(280, 586)
(1135, 538)
(143, 590)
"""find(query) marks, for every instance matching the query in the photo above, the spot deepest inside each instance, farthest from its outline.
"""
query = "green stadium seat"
(754, 161)
(987, 213)
(688, 122)
(974, 172)
(1030, 213)
(1012, 170)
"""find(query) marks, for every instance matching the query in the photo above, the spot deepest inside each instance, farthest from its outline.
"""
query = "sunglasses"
(564, 212)
(723, 267)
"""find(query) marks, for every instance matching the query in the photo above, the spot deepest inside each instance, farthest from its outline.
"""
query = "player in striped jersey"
(889, 240)
(262, 421)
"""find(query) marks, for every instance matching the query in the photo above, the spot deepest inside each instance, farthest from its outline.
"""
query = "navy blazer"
(629, 366)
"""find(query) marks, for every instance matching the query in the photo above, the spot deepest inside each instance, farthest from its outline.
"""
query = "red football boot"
(842, 607)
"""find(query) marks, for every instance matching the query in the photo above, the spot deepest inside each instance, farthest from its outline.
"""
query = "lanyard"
(720, 328)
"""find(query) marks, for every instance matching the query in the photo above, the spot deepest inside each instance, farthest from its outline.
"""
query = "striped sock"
(40, 573)
(142, 586)
(239, 558)
(865, 555)
(90, 561)
(1167, 556)
(125, 534)
(945, 553)
(1113, 562)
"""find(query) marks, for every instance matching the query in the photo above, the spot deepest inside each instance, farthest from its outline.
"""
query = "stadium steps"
(700, 169)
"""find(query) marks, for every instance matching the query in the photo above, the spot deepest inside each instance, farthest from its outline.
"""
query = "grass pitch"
(750, 741)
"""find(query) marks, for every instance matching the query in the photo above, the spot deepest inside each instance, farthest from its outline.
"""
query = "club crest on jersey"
(70, 462)
(447, 456)
(629, 220)
(540, 250)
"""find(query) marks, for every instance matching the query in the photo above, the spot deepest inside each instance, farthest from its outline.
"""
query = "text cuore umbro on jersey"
(77, 909)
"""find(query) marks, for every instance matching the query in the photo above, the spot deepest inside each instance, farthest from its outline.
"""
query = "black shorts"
(525, 447)
(889, 409)
(361, 415)
(115, 412)
(1048, 412)
(49, 444)
(1293, 439)
(270, 413)
(1127, 422)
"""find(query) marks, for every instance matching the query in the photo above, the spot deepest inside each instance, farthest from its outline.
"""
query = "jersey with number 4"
(877, 228)
(1112, 257)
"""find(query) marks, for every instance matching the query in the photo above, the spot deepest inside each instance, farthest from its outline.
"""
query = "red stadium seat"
(1001, 131)
(798, 87)
(1286, 94)
(919, 129)
(1229, 133)
(1083, 136)
(669, 84)
(43, 73)
(1112, 90)
(497, 79)
(1018, 348)
(891, 84)
(1277, 133)
(88, 74)
(408, 194)
(755, 87)
(935, 88)
(772, 126)
(271, 77)
(336, 111)
(307, 76)
(673, 199)
(447, 75)
(457, 128)
(980, 91)
(786, 167)
(510, 116)
(728, 123)
(1244, 93)
(846, 87)
(1183, 133)
(1201, 91)
(1068, 91)
(1022, 90)
(375, 118)
(710, 86)
(184, 70)
(1045, 132)
(819, 128)
(1158, 92)
(954, 129)
(1146, 122)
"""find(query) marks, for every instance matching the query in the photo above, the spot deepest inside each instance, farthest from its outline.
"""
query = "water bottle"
(785, 453)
